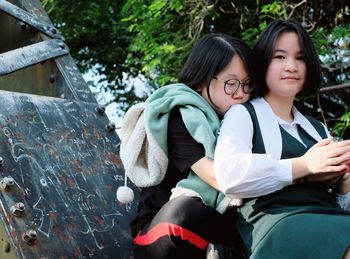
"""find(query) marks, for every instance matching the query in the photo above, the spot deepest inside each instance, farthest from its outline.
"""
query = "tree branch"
(334, 88)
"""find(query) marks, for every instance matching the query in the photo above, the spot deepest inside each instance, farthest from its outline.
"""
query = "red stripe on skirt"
(169, 229)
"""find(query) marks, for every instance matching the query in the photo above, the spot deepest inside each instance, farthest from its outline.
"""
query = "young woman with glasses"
(182, 121)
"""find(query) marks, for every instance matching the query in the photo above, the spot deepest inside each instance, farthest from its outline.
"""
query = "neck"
(282, 107)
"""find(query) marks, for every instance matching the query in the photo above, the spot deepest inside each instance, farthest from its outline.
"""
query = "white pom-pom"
(125, 194)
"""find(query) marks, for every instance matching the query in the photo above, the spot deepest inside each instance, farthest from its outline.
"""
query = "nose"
(291, 65)
(239, 93)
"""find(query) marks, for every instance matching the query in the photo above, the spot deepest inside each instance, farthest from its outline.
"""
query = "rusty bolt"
(17, 209)
(30, 237)
(52, 78)
(110, 126)
(6, 247)
(33, 40)
(100, 109)
(62, 45)
(6, 183)
(51, 29)
(23, 25)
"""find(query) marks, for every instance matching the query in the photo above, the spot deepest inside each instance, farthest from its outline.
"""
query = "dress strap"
(258, 143)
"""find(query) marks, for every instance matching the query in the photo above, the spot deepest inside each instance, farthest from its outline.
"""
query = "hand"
(328, 157)
(328, 179)
(346, 162)
(343, 185)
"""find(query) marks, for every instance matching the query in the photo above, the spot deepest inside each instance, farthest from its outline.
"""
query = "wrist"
(342, 190)
(343, 186)
(299, 168)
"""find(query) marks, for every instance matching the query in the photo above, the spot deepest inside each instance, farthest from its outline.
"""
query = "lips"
(290, 78)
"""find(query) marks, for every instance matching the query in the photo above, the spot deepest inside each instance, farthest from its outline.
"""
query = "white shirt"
(242, 174)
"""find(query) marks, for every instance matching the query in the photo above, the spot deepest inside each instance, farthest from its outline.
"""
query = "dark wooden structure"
(59, 155)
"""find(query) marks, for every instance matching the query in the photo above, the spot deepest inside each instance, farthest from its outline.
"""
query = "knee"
(179, 210)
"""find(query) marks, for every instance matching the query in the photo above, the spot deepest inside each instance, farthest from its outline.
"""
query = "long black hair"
(265, 47)
(212, 53)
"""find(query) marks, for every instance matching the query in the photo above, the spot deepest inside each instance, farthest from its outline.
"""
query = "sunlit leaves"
(150, 39)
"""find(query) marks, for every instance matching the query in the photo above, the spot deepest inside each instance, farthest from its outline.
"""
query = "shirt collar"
(304, 123)
(298, 119)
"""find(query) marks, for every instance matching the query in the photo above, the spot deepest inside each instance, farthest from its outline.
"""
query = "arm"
(185, 152)
(242, 174)
(204, 168)
(343, 192)
(342, 187)
(325, 157)
(239, 172)
(335, 179)
(339, 181)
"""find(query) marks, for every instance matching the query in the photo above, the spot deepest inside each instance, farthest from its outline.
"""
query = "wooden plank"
(24, 16)
(20, 58)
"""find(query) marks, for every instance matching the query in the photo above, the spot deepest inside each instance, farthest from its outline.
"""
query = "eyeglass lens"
(232, 85)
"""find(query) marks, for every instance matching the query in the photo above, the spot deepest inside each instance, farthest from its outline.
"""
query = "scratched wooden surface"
(66, 168)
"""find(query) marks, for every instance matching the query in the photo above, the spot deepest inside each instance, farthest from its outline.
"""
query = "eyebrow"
(231, 76)
(284, 51)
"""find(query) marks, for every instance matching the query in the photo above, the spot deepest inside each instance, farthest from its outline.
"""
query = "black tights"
(184, 227)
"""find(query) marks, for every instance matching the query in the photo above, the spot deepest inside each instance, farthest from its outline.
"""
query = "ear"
(200, 88)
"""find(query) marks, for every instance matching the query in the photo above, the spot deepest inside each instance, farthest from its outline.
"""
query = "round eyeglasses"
(231, 86)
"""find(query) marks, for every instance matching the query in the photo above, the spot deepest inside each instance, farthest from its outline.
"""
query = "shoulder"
(238, 110)
(319, 126)
(237, 116)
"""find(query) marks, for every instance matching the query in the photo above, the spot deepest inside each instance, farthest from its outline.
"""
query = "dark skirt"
(299, 221)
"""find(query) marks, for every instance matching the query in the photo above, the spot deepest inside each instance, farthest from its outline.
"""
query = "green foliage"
(333, 45)
(150, 39)
(276, 9)
(97, 39)
(164, 32)
(343, 125)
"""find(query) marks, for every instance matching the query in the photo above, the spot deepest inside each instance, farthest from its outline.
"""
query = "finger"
(342, 143)
(336, 168)
(324, 142)
(347, 163)
(346, 176)
(338, 151)
(345, 142)
(341, 159)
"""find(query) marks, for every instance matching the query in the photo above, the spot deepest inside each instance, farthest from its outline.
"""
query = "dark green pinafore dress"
(300, 221)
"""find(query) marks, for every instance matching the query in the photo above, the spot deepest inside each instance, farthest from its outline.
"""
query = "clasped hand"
(329, 162)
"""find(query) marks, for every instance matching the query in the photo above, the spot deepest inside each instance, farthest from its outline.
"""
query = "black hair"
(264, 51)
(212, 53)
